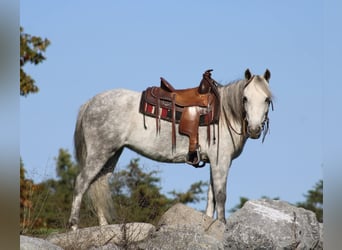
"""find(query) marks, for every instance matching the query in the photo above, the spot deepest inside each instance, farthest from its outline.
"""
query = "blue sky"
(96, 46)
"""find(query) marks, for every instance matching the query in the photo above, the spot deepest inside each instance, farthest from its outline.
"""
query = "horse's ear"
(267, 75)
(248, 74)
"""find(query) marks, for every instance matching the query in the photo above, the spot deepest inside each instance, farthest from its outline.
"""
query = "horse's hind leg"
(82, 183)
(91, 169)
(100, 196)
(99, 191)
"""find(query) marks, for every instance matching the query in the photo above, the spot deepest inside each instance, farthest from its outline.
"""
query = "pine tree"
(314, 200)
(137, 196)
(193, 195)
(57, 207)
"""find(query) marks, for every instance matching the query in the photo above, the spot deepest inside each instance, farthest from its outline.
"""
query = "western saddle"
(190, 108)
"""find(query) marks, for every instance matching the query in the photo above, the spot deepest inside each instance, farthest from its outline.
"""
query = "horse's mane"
(231, 99)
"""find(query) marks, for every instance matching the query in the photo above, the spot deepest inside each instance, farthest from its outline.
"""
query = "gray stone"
(180, 216)
(180, 238)
(109, 246)
(260, 224)
(182, 227)
(100, 236)
(31, 243)
(272, 224)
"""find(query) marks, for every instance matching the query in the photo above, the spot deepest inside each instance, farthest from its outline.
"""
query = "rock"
(102, 237)
(182, 227)
(260, 224)
(30, 243)
(180, 216)
(180, 238)
(109, 246)
(272, 224)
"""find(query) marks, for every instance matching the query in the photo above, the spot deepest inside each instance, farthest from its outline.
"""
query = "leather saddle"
(190, 108)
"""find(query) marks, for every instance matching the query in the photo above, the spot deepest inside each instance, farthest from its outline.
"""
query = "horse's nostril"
(254, 131)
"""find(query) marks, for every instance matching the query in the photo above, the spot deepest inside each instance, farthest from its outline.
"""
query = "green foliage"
(314, 200)
(29, 212)
(57, 207)
(32, 50)
(136, 196)
(243, 200)
(66, 169)
(192, 195)
(50, 201)
(56, 195)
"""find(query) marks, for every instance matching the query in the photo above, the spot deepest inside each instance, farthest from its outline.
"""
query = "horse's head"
(256, 101)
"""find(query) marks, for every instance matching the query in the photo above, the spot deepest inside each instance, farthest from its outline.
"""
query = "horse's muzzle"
(254, 132)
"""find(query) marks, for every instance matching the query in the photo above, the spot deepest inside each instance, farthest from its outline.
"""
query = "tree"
(51, 202)
(29, 213)
(66, 169)
(137, 196)
(314, 200)
(32, 50)
(60, 191)
(32, 196)
(192, 195)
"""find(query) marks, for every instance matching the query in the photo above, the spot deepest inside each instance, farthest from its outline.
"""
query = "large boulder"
(97, 237)
(178, 239)
(260, 224)
(31, 243)
(272, 224)
(182, 227)
(180, 215)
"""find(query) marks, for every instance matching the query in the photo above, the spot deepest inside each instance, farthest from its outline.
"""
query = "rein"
(267, 123)
(231, 128)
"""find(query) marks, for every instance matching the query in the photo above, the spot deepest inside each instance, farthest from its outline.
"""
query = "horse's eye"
(244, 99)
(267, 100)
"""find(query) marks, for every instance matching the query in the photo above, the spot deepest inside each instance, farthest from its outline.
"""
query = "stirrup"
(194, 158)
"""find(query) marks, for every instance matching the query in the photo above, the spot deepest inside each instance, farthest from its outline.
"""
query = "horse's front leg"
(210, 199)
(219, 174)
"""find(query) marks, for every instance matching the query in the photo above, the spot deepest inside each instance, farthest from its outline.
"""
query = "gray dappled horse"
(111, 121)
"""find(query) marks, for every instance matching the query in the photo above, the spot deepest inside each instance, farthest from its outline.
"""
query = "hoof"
(73, 226)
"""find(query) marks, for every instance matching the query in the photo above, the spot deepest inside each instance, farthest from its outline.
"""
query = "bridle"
(265, 125)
